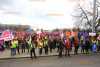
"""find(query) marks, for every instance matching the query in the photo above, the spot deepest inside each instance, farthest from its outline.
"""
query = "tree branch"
(98, 2)
(85, 15)
(81, 21)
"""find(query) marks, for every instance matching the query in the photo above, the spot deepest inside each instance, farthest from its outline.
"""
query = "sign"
(61, 34)
(74, 33)
(98, 37)
(7, 35)
(86, 35)
(92, 34)
(20, 34)
(1, 38)
(68, 34)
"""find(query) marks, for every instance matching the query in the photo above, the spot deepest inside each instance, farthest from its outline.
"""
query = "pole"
(94, 16)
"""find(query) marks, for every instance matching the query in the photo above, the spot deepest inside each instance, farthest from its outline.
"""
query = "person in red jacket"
(76, 45)
(67, 47)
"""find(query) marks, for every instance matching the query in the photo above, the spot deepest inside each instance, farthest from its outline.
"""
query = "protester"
(50, 43)
(67, 47)
(40, 46)
(2, 45)
(94, 46)
(27, 45)
(76, 45)
(98, 45)
(46, 44)
(13, 48)
(61, 46)
(32, 48)
(17, 46)
(82, 43)
(23, 45)
(71, 42)
(87, 46)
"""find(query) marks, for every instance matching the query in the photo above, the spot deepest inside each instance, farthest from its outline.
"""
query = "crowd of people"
(62, 42)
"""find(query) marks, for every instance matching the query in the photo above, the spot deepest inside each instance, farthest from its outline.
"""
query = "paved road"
(7, 53)
(54, 61)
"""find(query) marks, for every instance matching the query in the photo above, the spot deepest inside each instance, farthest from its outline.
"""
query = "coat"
(68, 44)
(76, 42)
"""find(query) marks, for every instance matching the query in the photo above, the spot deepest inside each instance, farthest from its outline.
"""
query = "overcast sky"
(46, 14)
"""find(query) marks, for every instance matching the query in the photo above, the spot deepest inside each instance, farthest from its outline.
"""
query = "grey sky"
(48, 14)
(5, 3)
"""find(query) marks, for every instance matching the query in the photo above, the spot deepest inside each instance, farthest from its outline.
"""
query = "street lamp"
(94, 15)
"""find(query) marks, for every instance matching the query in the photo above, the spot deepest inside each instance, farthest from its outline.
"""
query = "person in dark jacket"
(46, 45)
(87, 46)
(82, 43)
(50, 44)
(76, 46)
(23, 45)
(18, 46)
(31, 43)
(61, 46)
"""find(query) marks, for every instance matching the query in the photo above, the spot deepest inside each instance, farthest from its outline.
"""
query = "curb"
(40, 56)
(25, 57)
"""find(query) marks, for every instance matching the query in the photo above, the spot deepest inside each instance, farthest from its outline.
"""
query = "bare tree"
(84, 16)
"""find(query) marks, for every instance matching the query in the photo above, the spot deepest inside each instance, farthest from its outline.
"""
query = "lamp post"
(94, 15)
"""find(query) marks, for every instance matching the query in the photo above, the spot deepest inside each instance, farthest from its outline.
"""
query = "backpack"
(94, 47)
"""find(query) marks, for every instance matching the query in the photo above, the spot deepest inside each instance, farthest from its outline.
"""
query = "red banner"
(7, 35)
(68, 34)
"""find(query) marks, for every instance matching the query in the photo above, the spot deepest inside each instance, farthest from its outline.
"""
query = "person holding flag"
(32, 47)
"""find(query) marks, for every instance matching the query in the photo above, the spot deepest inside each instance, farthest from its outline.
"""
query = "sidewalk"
(6, 54)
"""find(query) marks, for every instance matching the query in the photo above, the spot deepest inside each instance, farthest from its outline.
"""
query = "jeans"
(40, 51)
(18, 50)
(13, 51)
(32, 51)
(46, 49)
(67, 52)
(23, 48)
(76, 50)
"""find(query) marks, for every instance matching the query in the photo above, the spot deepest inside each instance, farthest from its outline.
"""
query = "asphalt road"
(54, 61)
